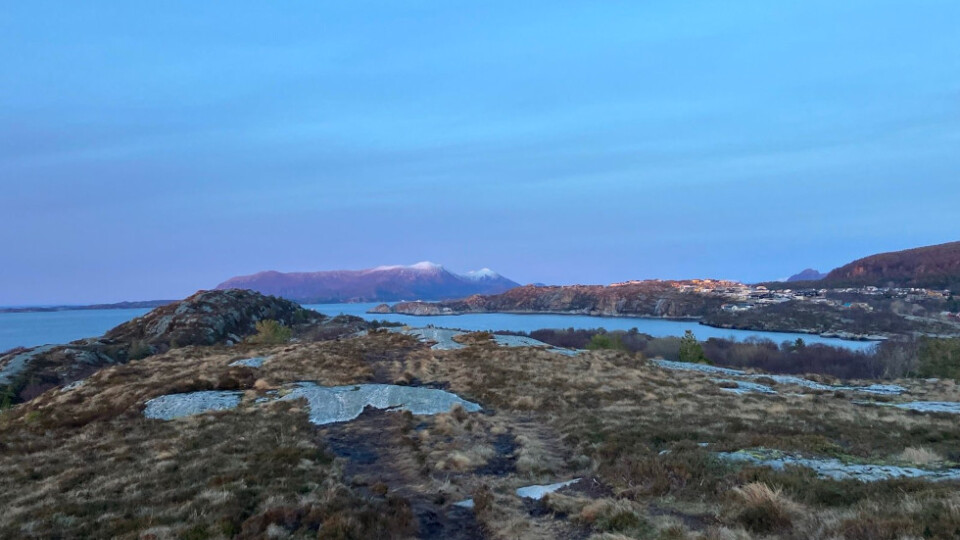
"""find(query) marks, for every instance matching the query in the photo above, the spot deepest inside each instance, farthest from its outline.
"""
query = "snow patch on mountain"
(424, 266)
(483, 273)
(431, 267)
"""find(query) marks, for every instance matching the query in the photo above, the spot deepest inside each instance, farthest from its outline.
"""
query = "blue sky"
(147, 152)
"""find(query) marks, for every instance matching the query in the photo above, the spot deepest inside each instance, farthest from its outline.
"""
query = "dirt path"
(379, 458)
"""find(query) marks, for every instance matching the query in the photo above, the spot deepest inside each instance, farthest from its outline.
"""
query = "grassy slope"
(85, 462)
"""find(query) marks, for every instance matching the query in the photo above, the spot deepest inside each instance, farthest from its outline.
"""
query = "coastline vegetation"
(923, 357)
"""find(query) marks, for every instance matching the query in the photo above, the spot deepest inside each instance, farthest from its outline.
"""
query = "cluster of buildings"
(742, 297)
(746, 297)
(910, 294)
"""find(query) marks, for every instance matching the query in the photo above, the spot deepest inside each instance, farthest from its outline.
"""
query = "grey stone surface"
(837, 470)
(951, 407)
(536, 492)
(442, 336)
(930, 406)
(18, 362)
(879, 389)
(73, 386)
(254, 362)
(343, 403)
(444, 340)
(702, 368)
(327, 404)
(745, 387)
(179, 405)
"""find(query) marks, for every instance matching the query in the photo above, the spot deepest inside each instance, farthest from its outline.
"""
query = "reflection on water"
(527, 323)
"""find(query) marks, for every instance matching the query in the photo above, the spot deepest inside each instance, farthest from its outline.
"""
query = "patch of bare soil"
(379, 458)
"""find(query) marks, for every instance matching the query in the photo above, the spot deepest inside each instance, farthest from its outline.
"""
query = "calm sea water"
(40, 328)
(526, 323)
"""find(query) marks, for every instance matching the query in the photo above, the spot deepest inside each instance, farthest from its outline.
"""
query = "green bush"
(139, 350)
(270, 332)
(606, 341)
(6, 397)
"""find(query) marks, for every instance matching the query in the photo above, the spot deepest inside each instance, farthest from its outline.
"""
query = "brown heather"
(85, 463)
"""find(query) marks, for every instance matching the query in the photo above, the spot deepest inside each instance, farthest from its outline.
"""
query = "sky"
(148, 150)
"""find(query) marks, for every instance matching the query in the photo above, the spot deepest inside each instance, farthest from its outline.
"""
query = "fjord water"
(53, 327)
(528, 322)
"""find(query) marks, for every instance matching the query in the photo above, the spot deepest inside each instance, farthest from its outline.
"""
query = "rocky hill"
(928, 267)
(637, 299)
(425, 281)
(382, 436)
(206, 318)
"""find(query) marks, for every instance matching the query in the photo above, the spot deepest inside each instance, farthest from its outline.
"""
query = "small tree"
(270, 332)
(691, 350)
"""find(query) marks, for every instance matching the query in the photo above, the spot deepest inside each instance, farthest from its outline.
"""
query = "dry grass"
(621, 414)
(763, 509)
(262, 470)
(614, 515)
(184, 477)
(920, 456)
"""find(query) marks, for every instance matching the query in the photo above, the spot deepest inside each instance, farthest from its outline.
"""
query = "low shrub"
(606, 342)
(763, 509)
(270, 332)
(139, 350)
(609, 515)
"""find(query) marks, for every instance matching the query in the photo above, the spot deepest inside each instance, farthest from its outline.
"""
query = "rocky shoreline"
(708, 303)
(849, 336)
(222, 317)
(427, 309)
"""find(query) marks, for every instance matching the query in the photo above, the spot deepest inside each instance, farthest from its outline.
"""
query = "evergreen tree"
(691, 350)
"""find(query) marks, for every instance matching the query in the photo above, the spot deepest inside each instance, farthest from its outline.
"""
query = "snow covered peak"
(426, 265)
(423, 266)
(483, 273)
(431, 268)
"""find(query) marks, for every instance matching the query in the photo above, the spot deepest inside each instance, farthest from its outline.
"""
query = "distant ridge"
(807, 275)
(144, 304)
(420, 281)
(935, 267)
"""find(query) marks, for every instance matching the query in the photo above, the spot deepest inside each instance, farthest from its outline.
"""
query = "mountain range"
(421, 281)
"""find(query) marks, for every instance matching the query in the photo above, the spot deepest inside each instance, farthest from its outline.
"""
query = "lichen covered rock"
(208, 317)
